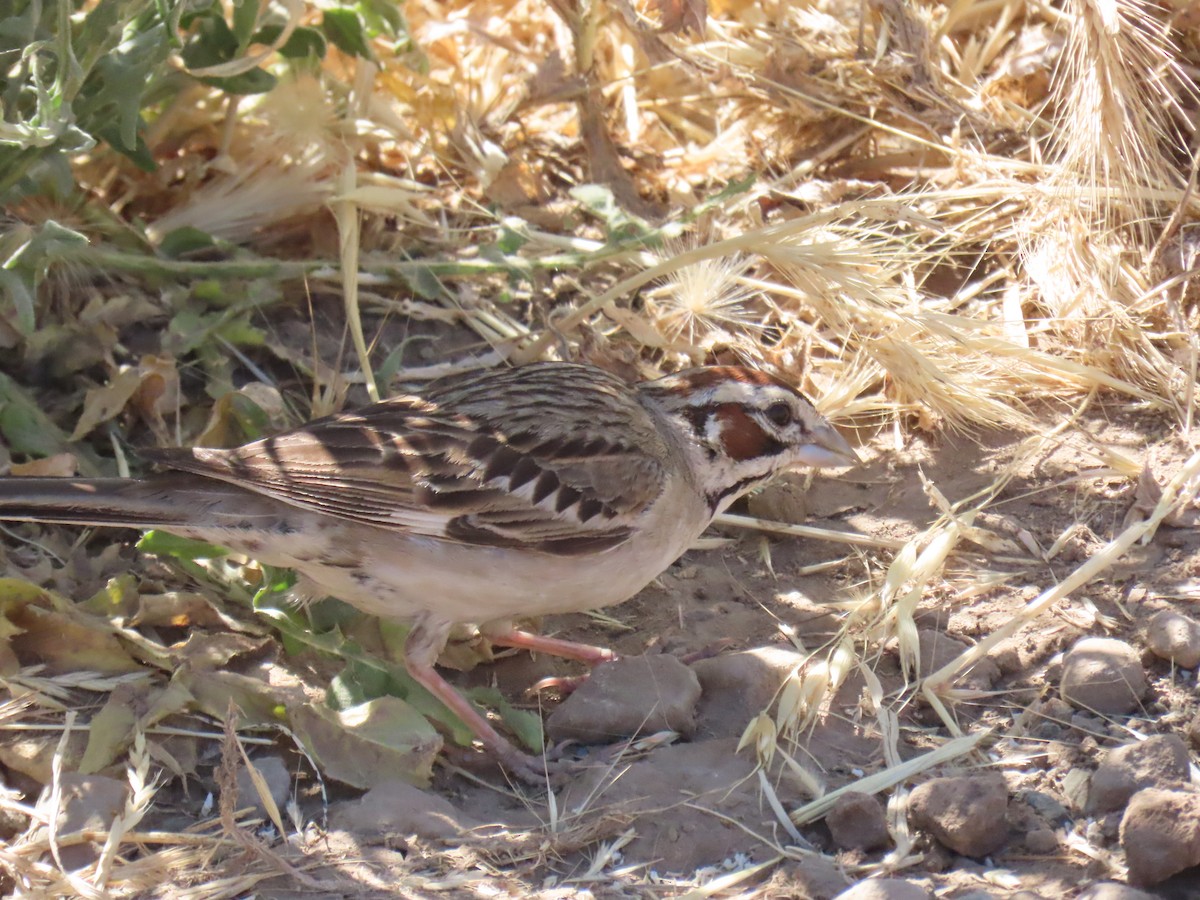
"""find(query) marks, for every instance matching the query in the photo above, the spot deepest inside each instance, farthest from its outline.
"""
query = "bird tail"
(119, 502)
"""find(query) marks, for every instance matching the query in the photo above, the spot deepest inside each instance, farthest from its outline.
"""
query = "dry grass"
(962, 216)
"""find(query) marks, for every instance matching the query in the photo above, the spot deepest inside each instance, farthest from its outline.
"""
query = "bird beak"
(828, 449)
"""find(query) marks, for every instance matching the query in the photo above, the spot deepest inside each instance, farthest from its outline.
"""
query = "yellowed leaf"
(105, 403)
(60, 465)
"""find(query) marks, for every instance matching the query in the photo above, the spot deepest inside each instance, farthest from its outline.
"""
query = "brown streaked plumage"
(547, 488)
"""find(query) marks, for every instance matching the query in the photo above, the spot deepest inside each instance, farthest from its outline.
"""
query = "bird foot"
(562, 684)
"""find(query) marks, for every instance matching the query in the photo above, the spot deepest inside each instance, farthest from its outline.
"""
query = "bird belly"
(405, 576)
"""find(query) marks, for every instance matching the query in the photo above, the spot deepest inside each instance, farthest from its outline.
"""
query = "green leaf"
(510, 240)
(23, 425)
(367, 743)
(26, 263)
(526, 725)
(304, 42)
(19, 291)
(110, 101)
(733, 189)
(383, 17)
(162, 543)
(424, 283)
(249, 416)
(599, 200)
(212, 43)
(184, 241)
(345, 30)
(255, 81)
(245, 16)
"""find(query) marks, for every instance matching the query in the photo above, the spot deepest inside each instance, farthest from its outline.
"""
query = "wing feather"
(552, 457)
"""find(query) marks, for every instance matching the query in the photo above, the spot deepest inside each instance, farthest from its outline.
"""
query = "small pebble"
(1103, 675)
(1174, 637)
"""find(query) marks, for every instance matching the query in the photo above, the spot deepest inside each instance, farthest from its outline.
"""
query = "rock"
(1160, 834)
(967, 813)
(670, 798)
(858, 822)
(1103, 675)
(1175, 637)
(937, 649)
(397, 808)
(886, 889)
(1158, 761)
(1045, 806)
(279, 784)
(735, 687)
(1042, 841)
(1112, 890)
(1193, 733)
(814, 877)
(636, 695)
(1049, 717)
(91, 803)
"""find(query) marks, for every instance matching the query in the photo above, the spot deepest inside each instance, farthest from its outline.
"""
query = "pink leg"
(422, 647)
(537, 643)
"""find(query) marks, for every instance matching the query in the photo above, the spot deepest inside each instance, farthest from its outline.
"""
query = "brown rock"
(1103, 675)
(1113, 890)
(636, 695)
(1158, 761)
(1175, 637)
(275, 775)
(937, 649)
(669, 799)
(1193, 733)
(397, 808)
(967, 813)
(735, 687)
(1041, 841)
(857, 821)
(1160, 834)
(91, 803)
(812, 878)
(886, 889)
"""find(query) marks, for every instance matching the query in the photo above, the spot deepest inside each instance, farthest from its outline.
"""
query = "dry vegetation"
(944, 221)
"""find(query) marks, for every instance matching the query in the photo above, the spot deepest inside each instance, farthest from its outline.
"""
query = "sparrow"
(547, 488)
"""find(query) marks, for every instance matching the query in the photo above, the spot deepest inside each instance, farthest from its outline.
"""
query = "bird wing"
(550, 458)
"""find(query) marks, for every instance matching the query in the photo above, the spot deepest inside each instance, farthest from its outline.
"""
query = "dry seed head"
(704, 302)
(760, 732)
(802, 696)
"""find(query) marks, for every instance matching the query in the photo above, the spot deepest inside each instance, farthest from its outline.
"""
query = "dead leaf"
(105, 403)
(33, 754)
(258, 701)
(682, 15)
(157, 395)
(188, 609)
(130, 708)
(206, 650)
(604, 163)
(48, 630)
(60, 465)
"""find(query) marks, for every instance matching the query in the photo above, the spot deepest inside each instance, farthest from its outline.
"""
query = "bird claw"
(563, 684)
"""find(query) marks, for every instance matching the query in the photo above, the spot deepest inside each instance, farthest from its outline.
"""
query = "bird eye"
(780, 414)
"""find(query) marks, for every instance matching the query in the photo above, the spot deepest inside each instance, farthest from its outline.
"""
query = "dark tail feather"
(156, 502)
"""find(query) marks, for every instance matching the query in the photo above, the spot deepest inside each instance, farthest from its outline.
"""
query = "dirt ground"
(667, 816)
